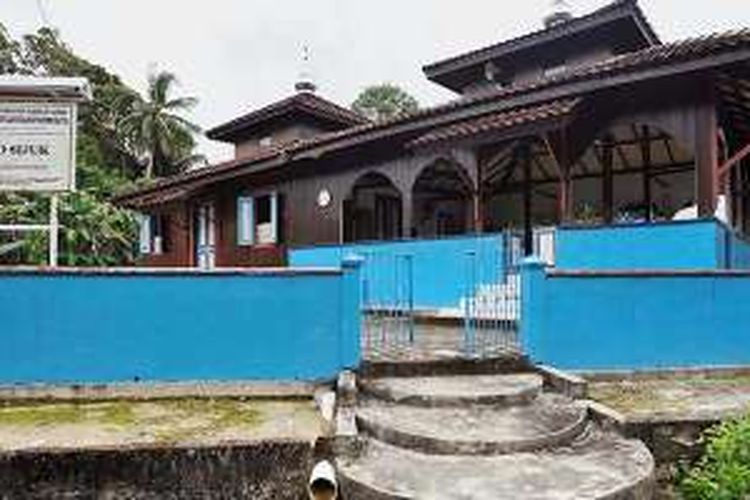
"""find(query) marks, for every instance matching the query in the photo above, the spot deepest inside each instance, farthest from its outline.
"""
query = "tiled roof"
(498, 121)
(621, 7)
(660, 55)
(303, 101)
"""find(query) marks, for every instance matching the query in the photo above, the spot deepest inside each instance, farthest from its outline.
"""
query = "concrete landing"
(506, 390)
(596, 466)
(550, 420)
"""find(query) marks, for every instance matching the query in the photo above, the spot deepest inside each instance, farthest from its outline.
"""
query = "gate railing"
(484, 319)
(388, 302)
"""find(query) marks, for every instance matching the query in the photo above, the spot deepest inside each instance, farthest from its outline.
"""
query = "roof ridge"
(614, 5)
(702, 44)
(311, 102)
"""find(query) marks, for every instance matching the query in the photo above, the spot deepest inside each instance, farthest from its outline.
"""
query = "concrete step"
(498, 390)
(550, 420)
(595, 466)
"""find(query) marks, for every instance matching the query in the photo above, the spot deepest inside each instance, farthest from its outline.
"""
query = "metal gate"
(388, 300)
(484, 321)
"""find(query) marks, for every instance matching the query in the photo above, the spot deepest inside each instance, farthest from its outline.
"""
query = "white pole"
(54, 229)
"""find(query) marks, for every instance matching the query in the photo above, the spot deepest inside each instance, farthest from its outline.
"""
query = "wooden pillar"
(407, 213)
(478, 214)
(561, 158)
(608, 178)
(706, 159)
(528, 226)
(646, 156)
(565, 197)
(477, 209)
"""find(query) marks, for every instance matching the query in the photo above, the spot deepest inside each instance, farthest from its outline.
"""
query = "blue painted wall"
(73, 327)
(600, 322)
(734, 248)
(442, 269)
(674, 245)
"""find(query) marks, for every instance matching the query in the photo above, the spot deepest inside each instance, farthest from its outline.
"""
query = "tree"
(9, 53)
(93, 231)
(384, 102)
(157, 128)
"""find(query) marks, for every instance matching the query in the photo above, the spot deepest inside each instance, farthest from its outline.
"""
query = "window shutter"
(274, 217)
(280, 218)
(144, 221)
(245, 221)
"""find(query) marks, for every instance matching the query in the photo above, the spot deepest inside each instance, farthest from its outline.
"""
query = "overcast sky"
(236, 55)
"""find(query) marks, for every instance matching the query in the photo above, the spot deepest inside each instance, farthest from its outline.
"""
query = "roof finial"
(560, 13)
(305, 84)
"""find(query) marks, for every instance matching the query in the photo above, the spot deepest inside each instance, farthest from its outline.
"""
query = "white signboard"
(37, 146)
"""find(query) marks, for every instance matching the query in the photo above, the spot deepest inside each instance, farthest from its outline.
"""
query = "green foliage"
(724, 471)
(156, 128)
(110, 154)
(384, 102)
(9, 53)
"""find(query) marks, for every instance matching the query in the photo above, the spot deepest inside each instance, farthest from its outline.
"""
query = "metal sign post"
(38, 121)
(54, 229)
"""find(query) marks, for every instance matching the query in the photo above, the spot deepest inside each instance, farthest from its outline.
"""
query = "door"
(205, 236)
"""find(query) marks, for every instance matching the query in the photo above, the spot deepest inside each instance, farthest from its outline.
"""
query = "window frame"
(251, 200)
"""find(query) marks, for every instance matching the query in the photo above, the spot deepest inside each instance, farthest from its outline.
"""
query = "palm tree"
(156, 129)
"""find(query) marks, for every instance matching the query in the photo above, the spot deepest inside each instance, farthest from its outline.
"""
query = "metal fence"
(483, 323)
(388, 301)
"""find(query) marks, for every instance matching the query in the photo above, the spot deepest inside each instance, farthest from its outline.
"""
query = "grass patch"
(626, 398)
(211, 415)
(42, 415)
(119, 414)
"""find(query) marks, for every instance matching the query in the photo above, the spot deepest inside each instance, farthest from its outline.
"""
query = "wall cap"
(166, 272)
(533, 262)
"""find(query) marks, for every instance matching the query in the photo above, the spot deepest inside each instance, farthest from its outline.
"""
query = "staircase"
(497, 301)
(483, 437)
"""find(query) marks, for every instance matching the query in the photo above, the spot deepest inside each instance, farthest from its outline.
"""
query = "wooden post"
(478, 218)
(646, 156)
(608, 184)
(706, 159)
(561, 159)
(528, 227)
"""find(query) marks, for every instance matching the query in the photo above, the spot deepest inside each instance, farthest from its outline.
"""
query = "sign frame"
(48, 91)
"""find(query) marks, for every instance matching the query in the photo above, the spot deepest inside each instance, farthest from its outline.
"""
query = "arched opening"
(519, 177)
(634, 173)
(373, 210)
(442, 201)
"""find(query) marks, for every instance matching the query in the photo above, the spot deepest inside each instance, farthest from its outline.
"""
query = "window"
(245, 221)
(153, 234)
(266, 141)
(257, 220)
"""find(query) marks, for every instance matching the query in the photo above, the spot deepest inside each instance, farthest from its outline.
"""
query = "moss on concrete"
(172, 421)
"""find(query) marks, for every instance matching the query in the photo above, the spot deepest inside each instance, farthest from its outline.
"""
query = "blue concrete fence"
(441, 269)
(605, 320)
(116, 326)
(695, 244)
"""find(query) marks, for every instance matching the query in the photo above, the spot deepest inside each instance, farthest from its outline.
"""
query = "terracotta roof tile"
(684, 50)
(498, 121)
(626, 7)
(303, 101)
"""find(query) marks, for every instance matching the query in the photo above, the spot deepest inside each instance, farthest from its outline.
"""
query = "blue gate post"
(350, 341)
(532, 304)
(410, 295)
(471, 306)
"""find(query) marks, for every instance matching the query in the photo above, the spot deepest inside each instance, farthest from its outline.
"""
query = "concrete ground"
(388, 339)
(682, 396)
(186, 421)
